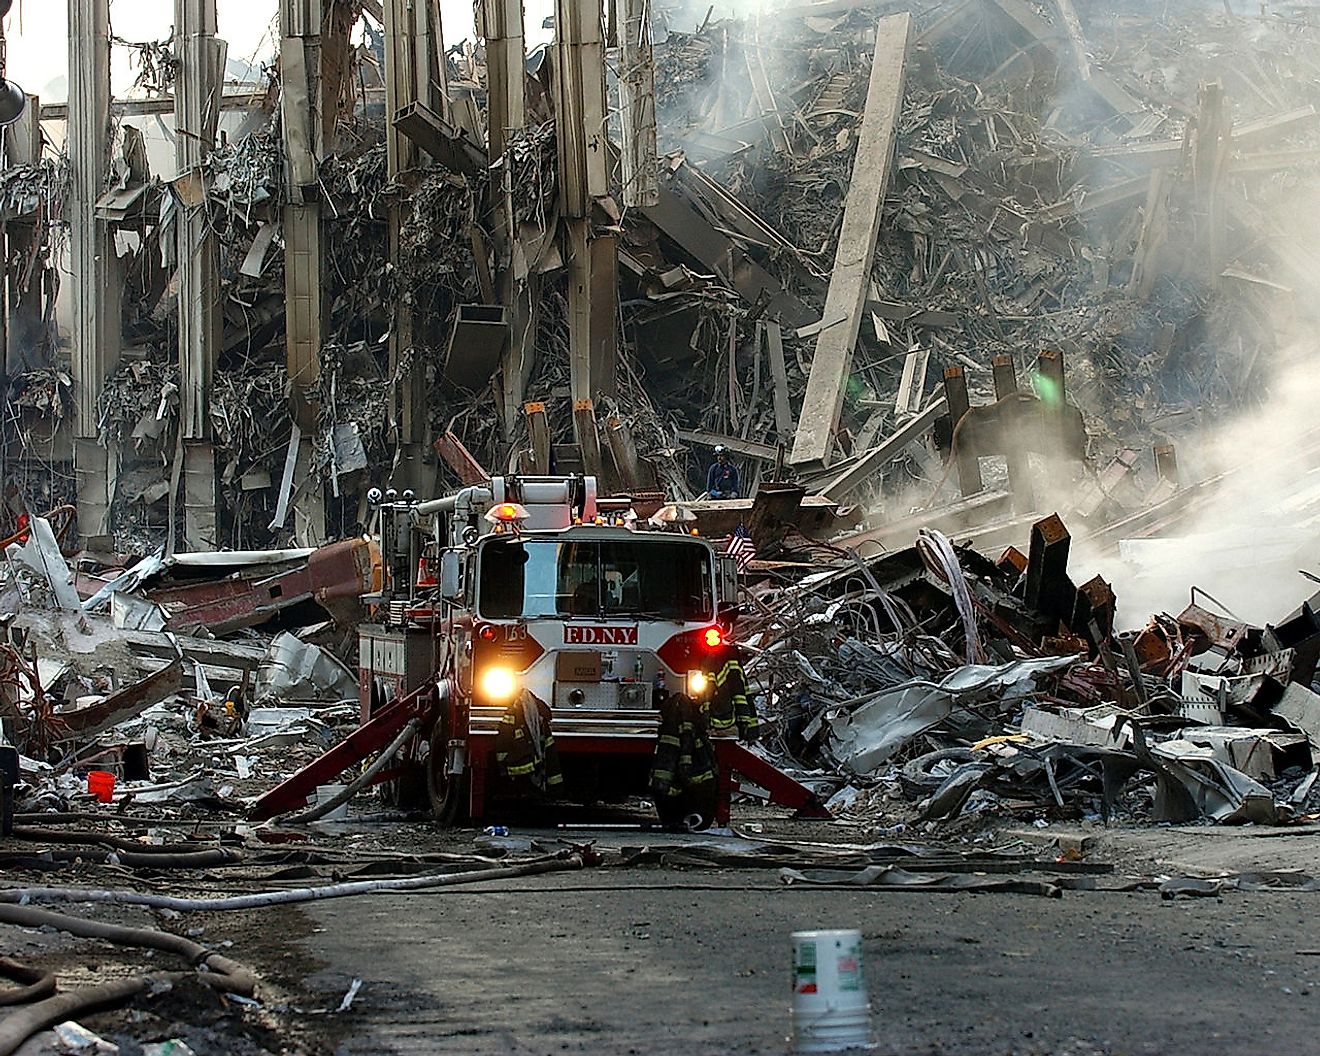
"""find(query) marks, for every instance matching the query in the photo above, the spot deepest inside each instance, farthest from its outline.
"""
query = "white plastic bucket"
(325, 793)
(830, 1010)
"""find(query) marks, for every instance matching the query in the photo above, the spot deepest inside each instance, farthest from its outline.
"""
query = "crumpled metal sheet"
(864, 739)
(41, 553)
(1192, 784)
(296, 670)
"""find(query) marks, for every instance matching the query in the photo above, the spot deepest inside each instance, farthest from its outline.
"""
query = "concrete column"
(95, 273)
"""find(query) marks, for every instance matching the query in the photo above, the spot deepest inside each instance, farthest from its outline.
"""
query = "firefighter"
(683, 777)
(525, 748)
(730, 702)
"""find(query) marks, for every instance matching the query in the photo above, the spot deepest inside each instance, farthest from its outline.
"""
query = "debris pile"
(1113, 193)
(172, 675)
(931, 684)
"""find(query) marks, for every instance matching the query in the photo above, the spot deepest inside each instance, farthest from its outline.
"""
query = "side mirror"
(451, 580)
(727, 592)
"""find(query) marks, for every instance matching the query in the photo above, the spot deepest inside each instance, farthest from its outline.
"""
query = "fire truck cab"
(530, 585)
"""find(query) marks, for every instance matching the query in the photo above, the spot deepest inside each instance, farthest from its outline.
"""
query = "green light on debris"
(1047, 389)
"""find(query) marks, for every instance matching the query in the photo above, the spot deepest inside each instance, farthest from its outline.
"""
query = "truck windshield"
(659, 578)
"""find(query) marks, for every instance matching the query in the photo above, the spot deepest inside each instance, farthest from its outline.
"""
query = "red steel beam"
(371, 737)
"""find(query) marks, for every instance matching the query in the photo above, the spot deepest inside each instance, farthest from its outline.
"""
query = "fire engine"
(533, 589)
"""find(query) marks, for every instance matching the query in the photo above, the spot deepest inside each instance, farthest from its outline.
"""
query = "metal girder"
(446, 143)
(538, 431)
(851, 277)
(201, 65)
(580, 110)
(1100, 84)
(1019, 469)
(1048, 588)
(196, 115)
(964, 452)
(367, 739)
(875, 460)
(637, 123)
(458, 458)
(506, 74)
(679, 220)
(476, 346)
(593, 294)
(94, 271)
(303, 306)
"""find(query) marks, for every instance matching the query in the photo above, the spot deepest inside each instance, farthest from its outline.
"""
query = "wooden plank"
(850, 279)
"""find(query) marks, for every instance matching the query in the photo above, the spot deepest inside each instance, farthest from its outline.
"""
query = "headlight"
(697, 684)
(497, 684)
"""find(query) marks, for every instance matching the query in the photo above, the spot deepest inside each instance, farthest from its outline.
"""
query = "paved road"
(624, 962)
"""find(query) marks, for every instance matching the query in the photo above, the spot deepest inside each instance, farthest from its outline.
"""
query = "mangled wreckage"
(924, 271)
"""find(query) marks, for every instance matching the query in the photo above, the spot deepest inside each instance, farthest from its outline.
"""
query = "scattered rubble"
(1078, 253)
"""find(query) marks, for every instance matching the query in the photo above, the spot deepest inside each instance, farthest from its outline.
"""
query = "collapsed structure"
(985, 228)
(936, 267)
(959, 286)
(929, 272)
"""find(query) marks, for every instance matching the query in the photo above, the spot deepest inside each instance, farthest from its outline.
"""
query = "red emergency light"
(712, 638)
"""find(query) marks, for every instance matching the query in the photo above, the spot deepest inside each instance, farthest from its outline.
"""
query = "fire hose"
(219, 972)
(351, 789)
(551, 864)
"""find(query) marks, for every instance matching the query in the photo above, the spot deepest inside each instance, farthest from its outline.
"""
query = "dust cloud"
(1251, 532)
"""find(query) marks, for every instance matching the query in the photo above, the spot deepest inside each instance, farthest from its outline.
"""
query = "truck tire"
(408, 790)
(447, 793)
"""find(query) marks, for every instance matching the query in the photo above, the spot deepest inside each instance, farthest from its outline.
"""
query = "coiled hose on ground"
(212, 968)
